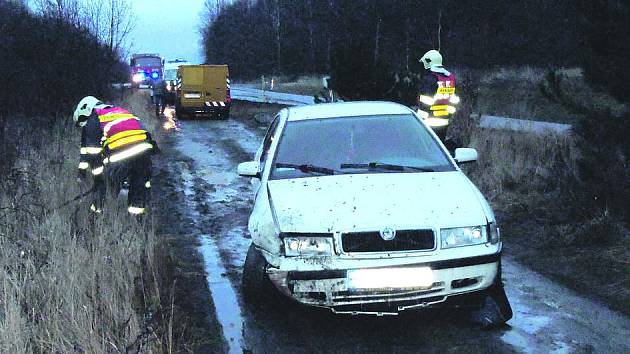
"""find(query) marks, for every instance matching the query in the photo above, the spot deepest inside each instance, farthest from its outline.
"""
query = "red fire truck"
(145, 69)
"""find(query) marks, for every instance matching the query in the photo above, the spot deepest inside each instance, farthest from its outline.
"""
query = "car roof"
(345, 109)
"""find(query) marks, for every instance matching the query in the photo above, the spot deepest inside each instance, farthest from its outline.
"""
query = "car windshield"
(366, 144)
(147, 61)
(170, 74)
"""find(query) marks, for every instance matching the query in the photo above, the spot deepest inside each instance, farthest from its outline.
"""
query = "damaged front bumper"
(338, 289)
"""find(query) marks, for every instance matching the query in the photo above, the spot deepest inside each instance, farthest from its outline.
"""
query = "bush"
(604, 165)
(47, 64)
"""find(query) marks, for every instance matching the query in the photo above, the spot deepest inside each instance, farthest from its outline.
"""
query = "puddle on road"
(223, 294)
(212, 167)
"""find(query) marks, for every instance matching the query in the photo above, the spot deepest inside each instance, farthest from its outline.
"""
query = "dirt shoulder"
(599, 272)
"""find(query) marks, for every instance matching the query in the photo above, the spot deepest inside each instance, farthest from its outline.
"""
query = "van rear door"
(192, 81)
(215, 83)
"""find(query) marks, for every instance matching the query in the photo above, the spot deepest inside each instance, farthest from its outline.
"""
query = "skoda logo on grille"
(388, 234)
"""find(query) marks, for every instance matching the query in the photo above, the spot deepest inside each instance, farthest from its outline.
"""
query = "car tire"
(257, 288)
(494, 310)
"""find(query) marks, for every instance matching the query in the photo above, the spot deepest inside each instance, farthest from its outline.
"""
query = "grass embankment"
(534, 186)
(69, 281)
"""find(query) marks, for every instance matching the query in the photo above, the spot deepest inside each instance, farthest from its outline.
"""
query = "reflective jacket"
(111, 134)
(438, 98)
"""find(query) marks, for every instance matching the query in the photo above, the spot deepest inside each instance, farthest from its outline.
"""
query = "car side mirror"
(249, 169)
(464, 155)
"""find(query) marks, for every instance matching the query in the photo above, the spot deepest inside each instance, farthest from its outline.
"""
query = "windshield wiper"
(385, 166)
(306, 168)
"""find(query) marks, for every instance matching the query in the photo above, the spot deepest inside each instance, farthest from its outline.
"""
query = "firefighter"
(437, 100)
(159, 88)
(115, 148)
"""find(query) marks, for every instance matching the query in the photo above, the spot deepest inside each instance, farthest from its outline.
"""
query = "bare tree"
(110, 21)
(275, 14)
(67, 10)
(119, 19)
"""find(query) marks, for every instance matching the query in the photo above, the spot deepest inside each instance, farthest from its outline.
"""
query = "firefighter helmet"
(431, 58)
(84, 109)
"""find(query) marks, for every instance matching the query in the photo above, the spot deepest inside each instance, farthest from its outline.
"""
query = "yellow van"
(203, 90)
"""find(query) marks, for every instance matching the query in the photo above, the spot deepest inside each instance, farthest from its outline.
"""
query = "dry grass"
(70, 282)
(532, 183)
(513, 164)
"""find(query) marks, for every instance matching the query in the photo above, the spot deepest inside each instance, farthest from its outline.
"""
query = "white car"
(359, 208)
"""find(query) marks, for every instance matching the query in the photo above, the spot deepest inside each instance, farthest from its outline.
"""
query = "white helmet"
(431, 58)
(84, 110)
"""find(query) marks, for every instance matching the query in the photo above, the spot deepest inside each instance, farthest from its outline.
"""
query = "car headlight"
(463, 236)
(308, 246)
(138, 77)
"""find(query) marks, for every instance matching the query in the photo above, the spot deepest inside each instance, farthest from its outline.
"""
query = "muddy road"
(212, 205)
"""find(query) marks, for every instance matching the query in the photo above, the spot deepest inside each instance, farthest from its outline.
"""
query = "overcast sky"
(169, 28)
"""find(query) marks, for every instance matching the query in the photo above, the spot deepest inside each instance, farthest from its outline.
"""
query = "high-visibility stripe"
(426, 100)
(440, 107)
(91, 150)
(128, 140)
(222, 104)
(454, 99)
(437, 122)
(440, 113)
(215, 104)
(114, 116)
(83, 165)
(124, 134)
(127, 153)
(111, 124)
(97, 171)
(423, 114)
(135, 210)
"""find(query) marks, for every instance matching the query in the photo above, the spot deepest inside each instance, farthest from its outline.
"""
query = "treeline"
(604, 164)
(310, 36)
(47, 62)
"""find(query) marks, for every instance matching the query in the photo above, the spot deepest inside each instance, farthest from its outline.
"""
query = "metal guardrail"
(244, 93)
(521, 125)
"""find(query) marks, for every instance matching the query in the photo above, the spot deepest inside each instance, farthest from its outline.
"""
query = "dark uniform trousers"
(135, 170)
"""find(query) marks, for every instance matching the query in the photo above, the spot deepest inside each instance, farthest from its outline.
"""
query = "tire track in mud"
(221, 206)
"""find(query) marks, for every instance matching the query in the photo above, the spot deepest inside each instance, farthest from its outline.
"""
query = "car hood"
(373, 201)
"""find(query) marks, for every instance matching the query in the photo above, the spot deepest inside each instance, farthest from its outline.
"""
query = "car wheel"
(257, 288)
(494, 310)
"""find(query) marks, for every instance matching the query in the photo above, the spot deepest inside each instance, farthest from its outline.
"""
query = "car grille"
(405, 240)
